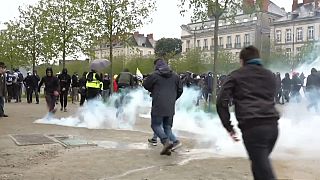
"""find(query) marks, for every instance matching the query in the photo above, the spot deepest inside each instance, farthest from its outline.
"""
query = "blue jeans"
(161, 126)
(1, 106)
(172, 137)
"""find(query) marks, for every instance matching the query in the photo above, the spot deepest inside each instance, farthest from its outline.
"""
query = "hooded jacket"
(165, 87)
(65, 80)
(253, 89)
(51, 83)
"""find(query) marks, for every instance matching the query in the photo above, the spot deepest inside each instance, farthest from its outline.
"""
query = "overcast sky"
(166, 21)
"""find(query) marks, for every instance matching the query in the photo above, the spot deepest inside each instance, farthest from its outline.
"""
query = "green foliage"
(168, 47)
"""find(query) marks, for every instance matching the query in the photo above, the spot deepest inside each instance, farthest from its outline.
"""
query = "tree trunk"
(111, 65)
(215, 57)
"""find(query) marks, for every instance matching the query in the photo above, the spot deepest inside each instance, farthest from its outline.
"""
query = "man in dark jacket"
(286, 87)
(82, 88)
(35, 84)
(313, 88)
(253, 89)
(28, 84)
(3, 88)
(296, 86)
(51, 89)
(165, 87)
(65, 81)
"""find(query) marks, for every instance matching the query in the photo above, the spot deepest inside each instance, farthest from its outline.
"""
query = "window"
(299, 50)
(288, 35)
(299, 34)
(229, 42)
(198, 43)
(310, 32)
(205, 41)
(212, 42)
(288, 52)
(149, 52)
(221, 42)
(237, 42)
(278, 36)
(246, 39)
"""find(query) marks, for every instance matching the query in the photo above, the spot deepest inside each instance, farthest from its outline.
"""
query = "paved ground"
(133, 160)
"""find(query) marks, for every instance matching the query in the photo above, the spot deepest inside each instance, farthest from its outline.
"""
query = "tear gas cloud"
(298, 127)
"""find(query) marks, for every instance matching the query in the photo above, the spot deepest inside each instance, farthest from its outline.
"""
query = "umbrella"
(99, 64)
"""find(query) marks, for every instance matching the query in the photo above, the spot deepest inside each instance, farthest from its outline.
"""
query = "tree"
(215, 10)
(112, 21)
(168, 46)
(64, 24)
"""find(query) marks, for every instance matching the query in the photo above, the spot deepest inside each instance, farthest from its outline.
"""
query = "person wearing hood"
(286, 87)
(253, 90)
(312, 89)
(65, 81)
(93, 84)
(51, 89)
(28, 84)
(296, 86)
(165, 87)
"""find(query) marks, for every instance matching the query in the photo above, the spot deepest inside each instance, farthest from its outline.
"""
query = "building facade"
(137, 45)
(297, 29)
(247, 29)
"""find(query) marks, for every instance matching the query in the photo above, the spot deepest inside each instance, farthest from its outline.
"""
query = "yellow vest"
(94, 83)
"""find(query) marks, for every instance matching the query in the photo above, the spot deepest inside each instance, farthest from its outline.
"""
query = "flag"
(139, 74)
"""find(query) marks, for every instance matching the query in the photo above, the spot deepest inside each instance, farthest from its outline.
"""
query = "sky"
(166, 20)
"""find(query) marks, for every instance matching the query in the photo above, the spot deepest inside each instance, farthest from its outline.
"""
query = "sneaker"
(65, 109)
(37, 102)
(61, 109)
(166, 150)
(153, 141)
(5, 115)
(177, 144)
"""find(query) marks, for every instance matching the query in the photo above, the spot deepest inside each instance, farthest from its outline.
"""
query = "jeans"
(172, 138)
(259, 142)
(161, 126)
(1, 106)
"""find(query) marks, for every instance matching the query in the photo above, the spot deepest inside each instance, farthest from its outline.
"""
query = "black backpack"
(20, 77)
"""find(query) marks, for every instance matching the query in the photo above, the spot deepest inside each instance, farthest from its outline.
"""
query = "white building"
(247, 29)
(137, 45)
(297, 29)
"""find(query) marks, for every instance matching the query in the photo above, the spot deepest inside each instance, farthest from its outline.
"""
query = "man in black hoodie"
(35, 85)
(252, 89)
(65, 81)
(313, 88)
(165, 87)
(51, 89)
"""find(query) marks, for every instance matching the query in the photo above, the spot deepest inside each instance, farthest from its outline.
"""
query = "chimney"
(248, 5)
(150, 36)
(265, 5)
(294, 5)
(136, 33)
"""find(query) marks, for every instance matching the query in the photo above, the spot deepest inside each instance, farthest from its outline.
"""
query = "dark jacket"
(252, 89)
(82, 85)
(313, 82)
(65, 81)
(286, 84)
(125, 79)
(296, 84)
(75, 81)
(28, 82)
(165, 87)
(35, 81)
(106, 83)
(51, 84)
(3, 86)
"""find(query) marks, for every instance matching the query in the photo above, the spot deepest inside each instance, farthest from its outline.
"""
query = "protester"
(253, 89)
(75, 88)
(82, 88)
(93, 81)
(28, 83)
(10, 78)
(35, 84)
(165, 87)
(106, 87)
(65, 81)
(3, 88)
(286, 87)
(51, 89)
(313, 89)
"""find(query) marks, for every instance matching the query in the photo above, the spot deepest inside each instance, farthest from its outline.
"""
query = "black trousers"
(64, 98)
(51, 101)
(29, 94)
(36, 93)
(92, 93)
(259, 142)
